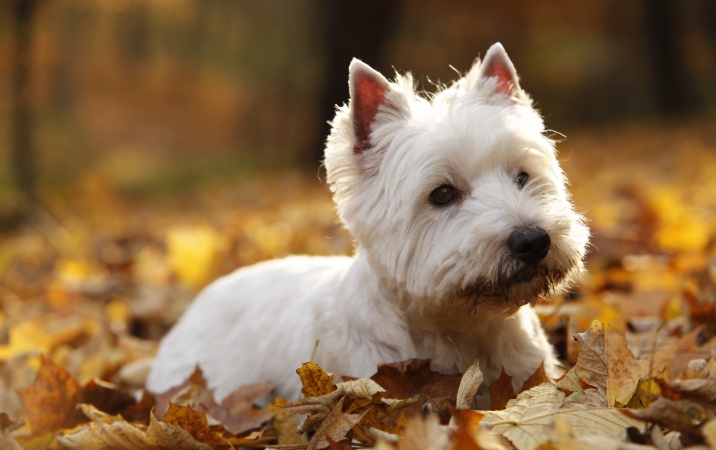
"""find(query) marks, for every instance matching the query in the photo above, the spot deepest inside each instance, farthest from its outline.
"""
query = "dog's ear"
(368, 90)
(498, 65)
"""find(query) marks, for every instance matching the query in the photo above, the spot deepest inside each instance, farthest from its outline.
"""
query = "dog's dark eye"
(443, 195)
(521, 179)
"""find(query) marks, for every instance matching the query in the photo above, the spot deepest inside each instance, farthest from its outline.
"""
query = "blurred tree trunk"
(351, 29)
(22, 158)
(674, 90)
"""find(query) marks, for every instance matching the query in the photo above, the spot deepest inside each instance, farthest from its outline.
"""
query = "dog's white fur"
(427, 281)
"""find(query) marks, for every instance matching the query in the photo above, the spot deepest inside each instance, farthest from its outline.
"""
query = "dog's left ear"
(368, 91)
(497, 64)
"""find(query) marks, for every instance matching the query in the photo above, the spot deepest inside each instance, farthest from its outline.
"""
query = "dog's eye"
(443, 195)
(521, 179)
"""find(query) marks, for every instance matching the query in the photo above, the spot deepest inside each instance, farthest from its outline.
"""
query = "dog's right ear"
(368, 90)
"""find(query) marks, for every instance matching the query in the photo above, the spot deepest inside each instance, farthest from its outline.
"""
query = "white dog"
(461, 219)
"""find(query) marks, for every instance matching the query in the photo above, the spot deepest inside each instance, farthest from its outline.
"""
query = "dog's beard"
(517, 283)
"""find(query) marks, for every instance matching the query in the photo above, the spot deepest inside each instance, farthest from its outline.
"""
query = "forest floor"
(90, 286)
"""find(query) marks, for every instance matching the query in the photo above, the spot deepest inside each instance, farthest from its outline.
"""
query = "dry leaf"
(50, 403)
(335, 427)
(685, 416)
(646, 390)
(286, 424)
(528, 419)
(424, 433)
(112, 432)
(623, 369)
(537, 378)
(194, 422)
(501, 391)
(591, 364)
(237, 412)
(315, 381)
(469, 384)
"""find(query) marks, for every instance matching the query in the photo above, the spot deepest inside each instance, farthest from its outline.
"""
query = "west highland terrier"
(461, 219)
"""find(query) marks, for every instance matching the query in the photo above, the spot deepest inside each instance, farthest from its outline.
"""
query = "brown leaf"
(335, 427)
(50, 403)
(591, 364)
(622, 368)
(409, 378)
(501, 391)
(237, 412)
(112, 432)
(685, 416)
(285, 423)
(315, 381)
(188, 392)
(537, 378)
(194, 422)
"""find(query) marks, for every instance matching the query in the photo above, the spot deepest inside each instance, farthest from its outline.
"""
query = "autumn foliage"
(87, 290)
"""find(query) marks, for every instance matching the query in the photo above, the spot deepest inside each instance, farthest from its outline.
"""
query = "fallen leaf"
(111, 432)
(623, 369)
(408, 378)
(237, 412)
(537, 378)
(50, 402)
(192, 421)
(501, 391)
(469, 384)
(646, 391)
(685, 416)
(335, 427)
(315, 381)
(286, 424)
(591, 364)
(528, 419)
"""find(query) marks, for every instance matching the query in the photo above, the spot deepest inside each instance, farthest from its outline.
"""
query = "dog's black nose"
(530, 244)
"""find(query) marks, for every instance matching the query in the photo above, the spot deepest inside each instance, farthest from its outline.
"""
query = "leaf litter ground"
(90, 286)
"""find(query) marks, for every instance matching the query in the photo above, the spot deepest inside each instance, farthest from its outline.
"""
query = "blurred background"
(158, 95)
(150, 146)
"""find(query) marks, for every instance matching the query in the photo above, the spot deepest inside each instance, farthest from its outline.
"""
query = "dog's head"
(458, 195)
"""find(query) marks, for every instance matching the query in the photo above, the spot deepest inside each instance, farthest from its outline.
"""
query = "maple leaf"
(528, 419)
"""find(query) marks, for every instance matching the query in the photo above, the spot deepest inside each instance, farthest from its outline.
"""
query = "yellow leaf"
(192, 252)
(316, 381)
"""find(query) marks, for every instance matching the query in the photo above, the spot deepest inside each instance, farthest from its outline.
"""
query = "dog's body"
(461, 218)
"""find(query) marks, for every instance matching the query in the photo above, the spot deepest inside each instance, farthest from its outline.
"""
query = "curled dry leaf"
(469, 384)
